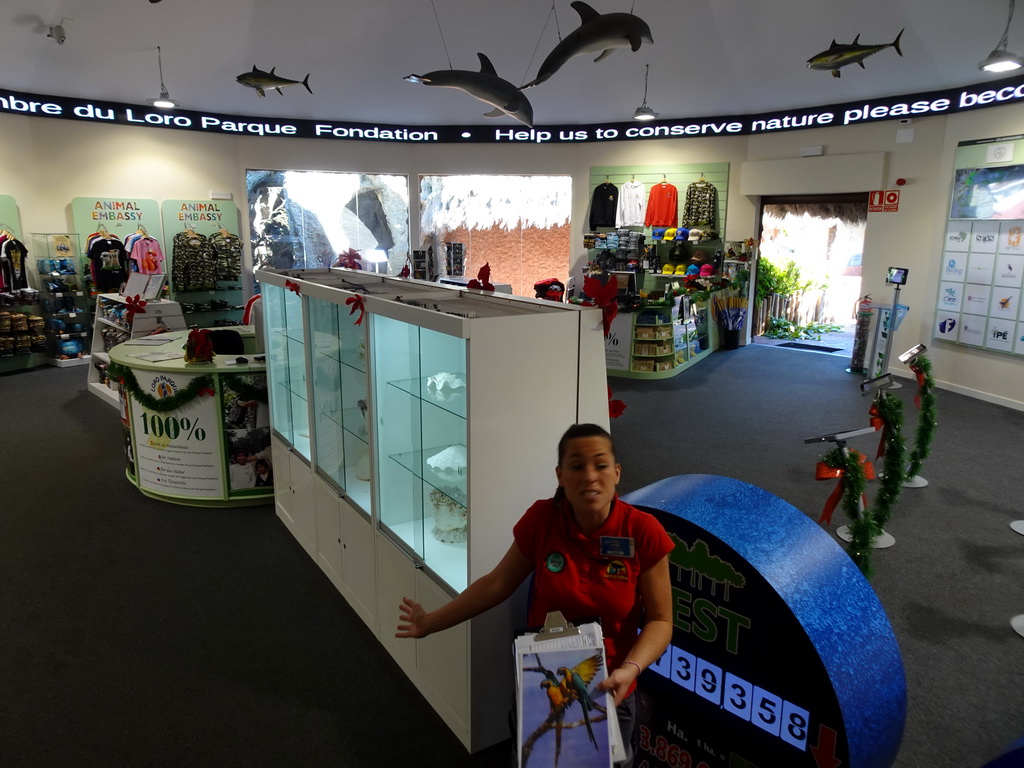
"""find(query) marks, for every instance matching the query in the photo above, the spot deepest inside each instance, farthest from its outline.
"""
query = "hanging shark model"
(484, 85)
(265, 81)
(602, 32)
(840, 55)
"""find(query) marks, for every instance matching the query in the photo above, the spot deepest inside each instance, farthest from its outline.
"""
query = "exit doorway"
(813, 246)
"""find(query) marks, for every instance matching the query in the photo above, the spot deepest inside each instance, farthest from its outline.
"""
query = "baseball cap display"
(670, 233)
(658, 233)
(682, 233)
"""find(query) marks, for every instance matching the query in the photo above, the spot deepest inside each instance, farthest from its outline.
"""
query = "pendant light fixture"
(1001, 60)
(164, 101)
(643, 112)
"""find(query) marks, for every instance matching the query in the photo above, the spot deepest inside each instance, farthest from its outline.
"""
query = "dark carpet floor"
(138, 633)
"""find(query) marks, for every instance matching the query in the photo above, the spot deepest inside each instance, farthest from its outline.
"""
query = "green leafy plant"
(780, 281)
(781, 328)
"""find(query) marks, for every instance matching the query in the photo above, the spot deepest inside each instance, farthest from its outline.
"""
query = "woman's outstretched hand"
(410, 617)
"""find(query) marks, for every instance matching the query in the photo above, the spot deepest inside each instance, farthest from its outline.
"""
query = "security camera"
(57, 33)
(835, 437)
(910, 356)
(879, 382)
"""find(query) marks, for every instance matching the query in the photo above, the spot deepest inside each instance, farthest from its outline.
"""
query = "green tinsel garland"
(863, 528)
(890, 410)
(926, 420)
(159, 404)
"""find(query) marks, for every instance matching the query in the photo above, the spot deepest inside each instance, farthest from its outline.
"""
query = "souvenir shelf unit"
(22, 343)
(63, 280)
(116, 323)
(412, 425)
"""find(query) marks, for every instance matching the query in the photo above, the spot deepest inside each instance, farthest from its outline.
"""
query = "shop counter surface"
(194, 433)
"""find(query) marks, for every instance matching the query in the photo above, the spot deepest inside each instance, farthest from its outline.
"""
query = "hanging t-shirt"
(109, 263)
(630, 210)
(192, 262)
(227, 255)
(147, 255)
(700, 204)
(13, 264)
(662, 206)
(603, 205)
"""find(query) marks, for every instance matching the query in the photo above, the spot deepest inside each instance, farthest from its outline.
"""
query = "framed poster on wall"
(982, 274)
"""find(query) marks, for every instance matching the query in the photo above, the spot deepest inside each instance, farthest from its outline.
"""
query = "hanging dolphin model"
(484, 85)
(265, 81)
(840, 55)
(602, 32)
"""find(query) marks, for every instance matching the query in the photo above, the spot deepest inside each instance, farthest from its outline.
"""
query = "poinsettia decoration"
(292, 286)
(603, 295)
(135, 305)
(349, 259)
(482, 282)
(405, 270)
(615, 407)
(199, 346)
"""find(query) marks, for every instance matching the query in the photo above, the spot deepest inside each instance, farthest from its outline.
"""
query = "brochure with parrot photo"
(564, 721)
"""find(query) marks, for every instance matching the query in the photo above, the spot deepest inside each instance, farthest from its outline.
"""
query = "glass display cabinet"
(420, 378)
(429, 417)
(286, 367)
(340, 404)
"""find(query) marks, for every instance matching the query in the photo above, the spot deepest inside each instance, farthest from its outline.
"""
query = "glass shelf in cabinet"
(454, 402)
(416, 463)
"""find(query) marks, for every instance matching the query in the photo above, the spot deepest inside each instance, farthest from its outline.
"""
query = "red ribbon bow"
(357, 303)
(482, 282)
(291, 286)
(206, 391)
(824, 472)
(919, 374)
(135, 305)
(879, 424)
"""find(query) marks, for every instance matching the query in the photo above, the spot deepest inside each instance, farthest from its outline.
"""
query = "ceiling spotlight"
(164, 100)
(643, 112)
(1001, 60)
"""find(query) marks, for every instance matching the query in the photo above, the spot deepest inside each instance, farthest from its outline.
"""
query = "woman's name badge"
(616, 546)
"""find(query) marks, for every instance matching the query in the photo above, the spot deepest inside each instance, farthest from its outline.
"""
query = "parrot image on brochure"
(575, 681)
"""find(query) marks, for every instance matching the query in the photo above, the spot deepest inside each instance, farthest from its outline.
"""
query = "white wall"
(46, 162)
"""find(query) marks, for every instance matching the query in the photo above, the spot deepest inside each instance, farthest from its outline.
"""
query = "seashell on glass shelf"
(449, 464)
(444, 386)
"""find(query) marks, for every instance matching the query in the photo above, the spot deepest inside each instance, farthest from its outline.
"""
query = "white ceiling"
(709, 57)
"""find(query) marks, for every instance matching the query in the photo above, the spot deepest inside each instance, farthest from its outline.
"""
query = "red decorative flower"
(615, 407)
(356, 302)
(483, 279)
(198, 347)
(135, 305)
(349, 259)
(604, 295)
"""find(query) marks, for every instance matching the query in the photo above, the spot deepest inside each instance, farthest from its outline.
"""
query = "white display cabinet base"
(294, 496)
(882, 541)
(104, 392)
(71, 362)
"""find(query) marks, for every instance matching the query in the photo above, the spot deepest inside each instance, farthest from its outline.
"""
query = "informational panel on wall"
(177, 453)
(120, 216)
(781, 654)
(9, 215)
(979, 301)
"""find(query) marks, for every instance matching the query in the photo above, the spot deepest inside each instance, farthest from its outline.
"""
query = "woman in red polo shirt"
(590, 554)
